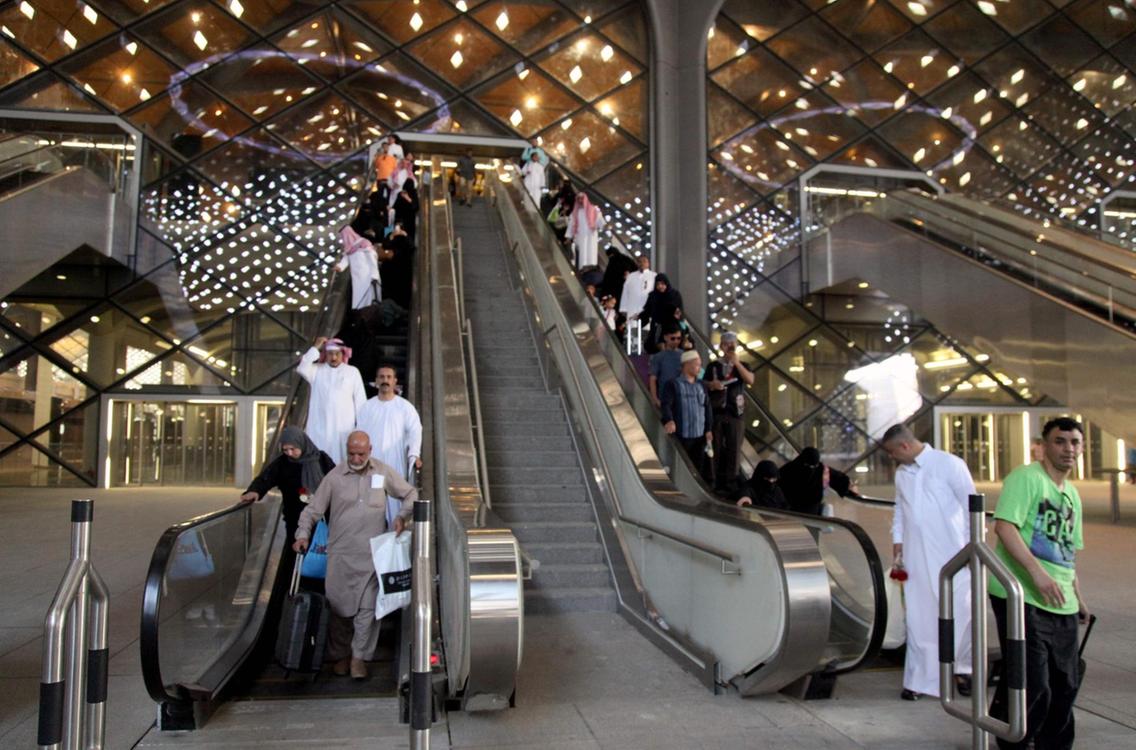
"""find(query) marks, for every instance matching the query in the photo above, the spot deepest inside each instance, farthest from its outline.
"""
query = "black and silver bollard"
(421, 700)
(72, 698)
(979, 557)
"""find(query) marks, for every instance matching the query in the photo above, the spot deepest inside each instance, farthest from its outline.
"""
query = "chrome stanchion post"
(421, 700)
(979, 557)
(98, 662)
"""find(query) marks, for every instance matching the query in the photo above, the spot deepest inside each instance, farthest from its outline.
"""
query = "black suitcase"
(302, 636)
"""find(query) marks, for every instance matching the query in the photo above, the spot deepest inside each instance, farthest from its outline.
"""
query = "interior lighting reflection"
(502, 21)
(456, 59)
(27, 9)
(575, 74)
(416, 21)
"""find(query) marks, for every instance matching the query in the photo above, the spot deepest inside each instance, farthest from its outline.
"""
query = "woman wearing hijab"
(805, 478)
(296, 472)
(659, 310)
(584, 227)
(406, 209)
(761, 490)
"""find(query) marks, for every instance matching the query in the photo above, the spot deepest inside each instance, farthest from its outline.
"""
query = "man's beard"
(356, 467)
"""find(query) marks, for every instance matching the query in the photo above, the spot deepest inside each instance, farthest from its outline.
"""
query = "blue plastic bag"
(315, 561)
(191, 558)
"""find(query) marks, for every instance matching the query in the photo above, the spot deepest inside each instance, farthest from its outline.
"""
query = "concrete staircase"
(536, 483)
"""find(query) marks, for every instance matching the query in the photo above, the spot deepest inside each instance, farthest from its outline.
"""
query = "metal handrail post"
(422, 592)
(68, 718)
(978, 556)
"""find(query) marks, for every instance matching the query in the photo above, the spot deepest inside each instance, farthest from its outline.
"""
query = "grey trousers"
(355, 636)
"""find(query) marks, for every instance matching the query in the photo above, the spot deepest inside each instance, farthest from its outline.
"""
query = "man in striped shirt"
(687, 414)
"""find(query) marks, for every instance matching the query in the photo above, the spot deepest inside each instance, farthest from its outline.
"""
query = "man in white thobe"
(393, 424)
(337, 394)
(931, 524)
(533, 174)
(354, 496)
(636, 287)
(359, 255)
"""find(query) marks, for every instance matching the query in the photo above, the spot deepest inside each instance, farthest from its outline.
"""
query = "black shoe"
(910, 695)
(962, 684)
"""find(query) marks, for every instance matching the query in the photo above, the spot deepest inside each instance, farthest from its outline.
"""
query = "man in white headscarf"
(359, 255)
(392, 423)
(337, 394)
(584, 227)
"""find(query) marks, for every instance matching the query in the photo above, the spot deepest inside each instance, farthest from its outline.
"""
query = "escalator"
(47, 176)
(1041, 301)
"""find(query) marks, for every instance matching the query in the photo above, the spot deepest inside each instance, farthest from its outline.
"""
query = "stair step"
(567, 553)
(502, 417)
(544, 428)
(543, 511)
(555, 601)
(574, 576)
(514, 493)
(528, 476)
(507, 442)
(553, 531)
(505, 399)
(521, 458)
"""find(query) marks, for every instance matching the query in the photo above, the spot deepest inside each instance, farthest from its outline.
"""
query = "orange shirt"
(384, 166)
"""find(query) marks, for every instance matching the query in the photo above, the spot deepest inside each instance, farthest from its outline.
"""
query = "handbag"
(315, 561)
(370, 317)
(895, 635)
(390, 554)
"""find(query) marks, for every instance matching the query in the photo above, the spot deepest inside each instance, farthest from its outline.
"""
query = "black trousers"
(728, 432)
(1052, 678)
(695, 447)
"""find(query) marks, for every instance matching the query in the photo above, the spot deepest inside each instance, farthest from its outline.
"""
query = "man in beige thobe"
(354, 496)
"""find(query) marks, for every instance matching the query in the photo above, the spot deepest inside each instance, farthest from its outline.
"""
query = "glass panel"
(628, 29)
(396, 90)
(174, 371)
(589, 66)
(819, 363)
(28, 467)
(871, 152)
(326, 127)
(47, 91)
(781, 397)
(725, 117)
(302, 290)
(1106, 20)
(966, 32)
(33, 318)
(763, 20)
(1107, 84)
(7, 439)
(248, 347)
(1067, 185)
(761, 158)
(14, 64)
(260, 80)
(588, 146)
(627, 108)
(1018, 15)
(528, 25)
(761, 237)
(918, 62)
(130, 10)
(266, 16)
(158, 301)
(75, 439)
(36, 391)
(529, 103)
(980, 389)
(1014, 73)
(771, 321)
(1100, 150)
(760, 81)
(462, 53)
(54, 28)
(332, 44)
(190, 117)
(726, 195)
(1018, 146)
(724, 42)
(9, 342)
(403, 21)
(193, 32)
(815, 49)
(838, 440)
(253, 164)
(869, 24)
(462, 117)
(866, 91)
(120, 72)
(818, 126)
(627, 186)
(958, 98)
(928, 141)
(976, 173)
(184, 209)
(920, 10)
(1062, 45)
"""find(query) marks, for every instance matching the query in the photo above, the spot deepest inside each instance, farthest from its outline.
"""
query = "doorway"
(173, 443)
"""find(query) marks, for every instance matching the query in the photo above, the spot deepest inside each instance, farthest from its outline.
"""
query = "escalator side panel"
(1068, 354)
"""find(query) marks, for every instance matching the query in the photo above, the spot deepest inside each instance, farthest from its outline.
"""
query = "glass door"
(173, 443)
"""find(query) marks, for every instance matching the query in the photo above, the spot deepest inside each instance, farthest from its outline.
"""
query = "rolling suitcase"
(302, 636)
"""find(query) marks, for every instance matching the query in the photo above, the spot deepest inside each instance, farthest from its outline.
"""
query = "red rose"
(898, 574)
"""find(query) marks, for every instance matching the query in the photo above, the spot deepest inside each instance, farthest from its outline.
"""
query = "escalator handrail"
(333, 309)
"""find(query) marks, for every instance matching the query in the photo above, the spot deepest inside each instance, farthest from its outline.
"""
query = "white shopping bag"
(896, 633)
(390, 553)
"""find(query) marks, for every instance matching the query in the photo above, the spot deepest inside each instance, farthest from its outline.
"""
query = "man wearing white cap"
(337, 394)
(687, 415)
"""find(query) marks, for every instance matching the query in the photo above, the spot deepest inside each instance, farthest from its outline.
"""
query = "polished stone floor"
(588, 680)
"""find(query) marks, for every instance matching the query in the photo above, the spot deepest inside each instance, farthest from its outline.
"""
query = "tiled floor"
(588, 680)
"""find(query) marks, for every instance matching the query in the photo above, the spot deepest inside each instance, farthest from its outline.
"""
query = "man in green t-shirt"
(1038, 525)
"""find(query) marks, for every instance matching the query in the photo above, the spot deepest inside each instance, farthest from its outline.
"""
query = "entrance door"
(173, 443)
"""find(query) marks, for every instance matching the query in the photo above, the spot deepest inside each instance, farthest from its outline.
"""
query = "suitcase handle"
(295, 585)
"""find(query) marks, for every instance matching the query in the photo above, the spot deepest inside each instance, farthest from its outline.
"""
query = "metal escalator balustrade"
(734, 599)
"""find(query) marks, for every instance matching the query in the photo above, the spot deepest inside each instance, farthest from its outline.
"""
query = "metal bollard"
(421, 700)
(979, 556)
(72, 700)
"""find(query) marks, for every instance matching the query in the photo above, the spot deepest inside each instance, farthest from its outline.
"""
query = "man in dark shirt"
(687, 414)
(666, 364)
(465, 173)
(727, 378)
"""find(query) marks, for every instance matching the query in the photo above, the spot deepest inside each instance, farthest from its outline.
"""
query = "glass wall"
(256, 119)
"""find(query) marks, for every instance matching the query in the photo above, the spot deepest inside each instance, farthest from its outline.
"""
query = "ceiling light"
(530, 102)
(416, 21)
(90, 14)
(460, 5)
(27, 9)
(585, 145)
(200, 40)
(236, 8)
(626, 77)
(502, 21)
(575, 74)
(607, 52)
(456, 59)
(516, 117)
